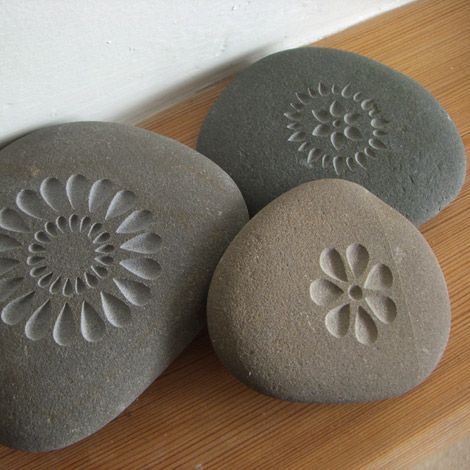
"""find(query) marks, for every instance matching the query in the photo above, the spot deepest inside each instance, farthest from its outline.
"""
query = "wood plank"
(197, 416)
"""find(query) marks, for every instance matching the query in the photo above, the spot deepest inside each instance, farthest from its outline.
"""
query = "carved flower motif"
(74, 257)
(336, 126)
(357, 297)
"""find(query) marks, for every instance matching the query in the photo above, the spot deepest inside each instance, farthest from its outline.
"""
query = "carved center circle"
(355, 292)
(70, 254)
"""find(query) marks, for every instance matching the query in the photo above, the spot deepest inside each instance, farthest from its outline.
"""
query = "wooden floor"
(197, 416)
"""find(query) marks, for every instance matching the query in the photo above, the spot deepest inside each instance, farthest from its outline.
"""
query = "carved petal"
(364, 328)
(346, 92)
(377, 144)
(323, 89)
(383, 307)
(314, 155)
(338, 164)
(332, 264)
(352, 133)
(321, 115)
(324, 292)
(336, 109)
(360, 159)
(351, 118)
(337, 320)
(350, 162)
(322, 130)
(358, 258)
(298, 136)
(379, 278)
(338, 140)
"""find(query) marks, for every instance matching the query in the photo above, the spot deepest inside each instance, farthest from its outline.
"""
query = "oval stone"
(108, 238)
(329, 295)
(312, 113)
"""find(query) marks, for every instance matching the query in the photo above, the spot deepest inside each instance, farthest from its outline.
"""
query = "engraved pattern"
(356, 297)
(335, 126)
(74, 257)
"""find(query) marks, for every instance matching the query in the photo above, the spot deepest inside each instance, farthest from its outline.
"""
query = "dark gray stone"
(329, 295)
(109, 235)
(312, 113)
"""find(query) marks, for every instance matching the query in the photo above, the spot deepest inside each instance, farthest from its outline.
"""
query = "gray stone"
(329, 295)
(312, 113)
(109, 235)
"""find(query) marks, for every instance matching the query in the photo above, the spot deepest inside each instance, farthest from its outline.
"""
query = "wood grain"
(197, 416)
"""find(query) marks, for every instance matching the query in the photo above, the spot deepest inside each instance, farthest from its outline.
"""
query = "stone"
(329, 295)
(313, 113)
(109, 235)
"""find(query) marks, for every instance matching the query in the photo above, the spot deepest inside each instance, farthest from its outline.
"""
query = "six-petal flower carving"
(355, 294)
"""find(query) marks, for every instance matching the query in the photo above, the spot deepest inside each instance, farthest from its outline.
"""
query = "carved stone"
(108, 237)
(329, 295)
(312, 113)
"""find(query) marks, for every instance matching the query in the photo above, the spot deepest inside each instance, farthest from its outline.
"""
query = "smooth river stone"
(329, 295)
(109, 235)
(312, 113)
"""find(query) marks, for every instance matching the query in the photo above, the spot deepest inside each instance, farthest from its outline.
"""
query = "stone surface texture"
(109, 235)
(312, 113)
(329, 295)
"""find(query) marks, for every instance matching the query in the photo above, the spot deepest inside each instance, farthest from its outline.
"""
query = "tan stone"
(329, 295)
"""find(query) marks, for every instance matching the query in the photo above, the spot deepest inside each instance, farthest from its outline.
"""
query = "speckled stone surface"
(329, 295)
(109, 235)
(312, 113)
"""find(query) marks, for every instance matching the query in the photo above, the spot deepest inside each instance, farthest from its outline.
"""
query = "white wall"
(122, 60)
